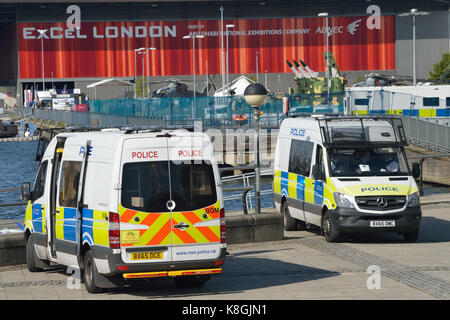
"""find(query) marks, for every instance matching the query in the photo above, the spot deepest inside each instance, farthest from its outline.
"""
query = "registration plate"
(154, 255)
(390, 223)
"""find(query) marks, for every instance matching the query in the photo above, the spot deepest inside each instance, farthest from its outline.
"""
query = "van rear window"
(146, 186)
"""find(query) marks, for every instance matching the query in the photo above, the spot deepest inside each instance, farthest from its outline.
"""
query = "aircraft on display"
(178, 88)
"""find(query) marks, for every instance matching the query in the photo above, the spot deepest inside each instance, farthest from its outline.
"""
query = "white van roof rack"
(358, 135)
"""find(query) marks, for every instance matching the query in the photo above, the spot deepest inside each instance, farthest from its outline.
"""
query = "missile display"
(294, 70)
(300, 68)
(310, 72)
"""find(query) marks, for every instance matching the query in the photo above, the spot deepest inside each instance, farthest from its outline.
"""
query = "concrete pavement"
(302, 266)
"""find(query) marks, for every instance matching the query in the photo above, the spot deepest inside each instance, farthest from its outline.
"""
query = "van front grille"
(380, 203)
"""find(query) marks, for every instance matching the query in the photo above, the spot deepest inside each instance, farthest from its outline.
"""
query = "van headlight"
(413, 199)
(343, 200)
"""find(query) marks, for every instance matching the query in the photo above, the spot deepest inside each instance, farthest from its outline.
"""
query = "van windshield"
(145, 186)
(351, 162)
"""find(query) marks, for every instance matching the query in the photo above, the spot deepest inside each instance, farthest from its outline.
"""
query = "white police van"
(346, 174)
(127, 204)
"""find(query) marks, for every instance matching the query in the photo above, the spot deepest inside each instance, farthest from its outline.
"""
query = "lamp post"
(143, 53)
(135, 77)
(255, 95)
(193, 37)
(221, 39)
(228, 26)
(413, 13)
(325, 14)
(148, 70)
(42, 32)
(257, 63)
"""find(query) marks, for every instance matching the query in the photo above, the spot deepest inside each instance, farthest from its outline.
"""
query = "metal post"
(43, 66)
(143, 71)
(257, 55)
(257, 168)
(148, 72)
(223, 55)
(227, 78)
(328, 73)
(414, 49)
(193, 63)
(134, 73)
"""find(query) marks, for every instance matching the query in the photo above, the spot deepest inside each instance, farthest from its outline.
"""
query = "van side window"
(300, 157)
(319, 161)
(39, 184)
(68, 187)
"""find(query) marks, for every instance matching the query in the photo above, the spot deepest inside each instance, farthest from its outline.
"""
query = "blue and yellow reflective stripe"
(299, 187)
(421, 113)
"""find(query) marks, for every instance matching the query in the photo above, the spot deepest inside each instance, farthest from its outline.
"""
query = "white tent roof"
(110, 83)
(238, 85)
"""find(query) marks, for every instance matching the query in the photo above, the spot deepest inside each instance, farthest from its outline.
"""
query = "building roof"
(110, 83)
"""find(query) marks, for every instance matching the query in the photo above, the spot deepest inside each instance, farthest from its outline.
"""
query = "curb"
(240, 229)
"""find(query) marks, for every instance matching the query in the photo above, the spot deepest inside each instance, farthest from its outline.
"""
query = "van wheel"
(32, 259)
(290, 224)
(191, 281)
(329, 229)
(89, 271)
(411, 236)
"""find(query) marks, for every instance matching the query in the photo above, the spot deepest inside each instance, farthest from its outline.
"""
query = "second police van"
(126, 204)
(346, 174)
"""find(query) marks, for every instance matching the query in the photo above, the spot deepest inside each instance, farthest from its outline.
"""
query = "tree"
(139, 87)
(440, 67)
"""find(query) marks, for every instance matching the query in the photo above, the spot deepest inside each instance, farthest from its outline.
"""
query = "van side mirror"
(416, 170)
(316, 172)
(25, 191)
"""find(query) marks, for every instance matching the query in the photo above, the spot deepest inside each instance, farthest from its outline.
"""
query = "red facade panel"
(106, 49)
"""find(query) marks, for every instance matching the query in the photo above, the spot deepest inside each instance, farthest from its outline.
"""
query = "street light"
(228, 26)
(255, 95)
(193, 37)
(42, 32)
(148, 70)
(143, 52)
(135, 77)
(413, 13)
(257, 63)
(325, 14)
(222, 53)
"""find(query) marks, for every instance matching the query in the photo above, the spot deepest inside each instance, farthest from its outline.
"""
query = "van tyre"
(89, 272)
(191, 281)
(290, 224)
(411, 236)
(329, 228)
(31, 257)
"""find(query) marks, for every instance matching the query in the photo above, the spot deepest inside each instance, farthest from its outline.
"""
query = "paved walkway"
(303, 266)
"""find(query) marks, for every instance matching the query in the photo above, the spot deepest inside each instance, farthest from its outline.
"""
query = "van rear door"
(196, 216)
(145, 220)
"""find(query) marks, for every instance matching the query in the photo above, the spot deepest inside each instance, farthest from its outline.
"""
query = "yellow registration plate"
(154, 255)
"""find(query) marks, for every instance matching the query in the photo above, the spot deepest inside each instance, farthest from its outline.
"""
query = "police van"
(127, 204)
(346, 174)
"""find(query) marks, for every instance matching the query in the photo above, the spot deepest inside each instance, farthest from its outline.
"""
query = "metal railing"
(247, 185)
(427, 133)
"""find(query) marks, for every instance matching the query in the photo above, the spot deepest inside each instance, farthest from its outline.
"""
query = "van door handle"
(182, 226)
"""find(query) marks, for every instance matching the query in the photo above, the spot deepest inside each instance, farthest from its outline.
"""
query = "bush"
(440, 67)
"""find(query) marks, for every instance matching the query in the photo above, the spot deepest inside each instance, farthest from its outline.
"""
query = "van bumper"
(118, 266)
(351, 220)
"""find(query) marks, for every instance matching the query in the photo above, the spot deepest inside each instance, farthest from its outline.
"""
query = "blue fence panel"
(183, 108)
